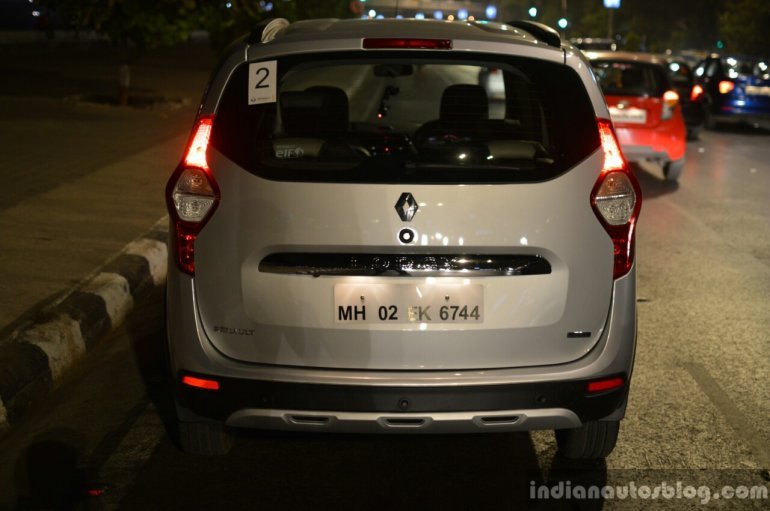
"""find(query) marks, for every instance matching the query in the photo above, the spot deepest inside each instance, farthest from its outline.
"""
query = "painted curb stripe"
(3, 416)
(61, 341)
(41, 353)
(90, 312)
(156, 254)
(24, 373)
(113, 288)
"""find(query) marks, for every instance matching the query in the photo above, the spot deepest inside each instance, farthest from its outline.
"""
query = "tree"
(132, 24)
(744, 26)
(144, 23)
(225, 21)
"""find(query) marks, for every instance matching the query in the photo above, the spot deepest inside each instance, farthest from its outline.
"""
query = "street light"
(533, 12)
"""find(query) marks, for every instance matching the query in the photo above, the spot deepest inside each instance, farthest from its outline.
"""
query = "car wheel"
(693, 133)
(593, 440)
(673, 169)
(206, 438)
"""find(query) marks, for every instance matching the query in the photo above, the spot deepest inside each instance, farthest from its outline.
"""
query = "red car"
(644, 107)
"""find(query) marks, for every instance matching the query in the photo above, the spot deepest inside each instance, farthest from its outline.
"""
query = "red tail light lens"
(200, 383)
(616, 200)
(192, 195)
(670, 101)
(696, 92)
(726, 86)
(199, 143)
(602, 385)
(407, 44)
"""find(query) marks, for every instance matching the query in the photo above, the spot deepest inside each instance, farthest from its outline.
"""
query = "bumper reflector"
(602, 385)
(200, 383)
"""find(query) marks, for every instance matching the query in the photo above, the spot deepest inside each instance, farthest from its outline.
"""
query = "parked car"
(645, 108)
(594, 43)
(357, 245)
(691, 95)
(736, 89)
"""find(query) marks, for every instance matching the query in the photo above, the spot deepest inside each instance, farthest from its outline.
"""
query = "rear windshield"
(623, 78)
(390, 117)
(679, 72)
(747, 67)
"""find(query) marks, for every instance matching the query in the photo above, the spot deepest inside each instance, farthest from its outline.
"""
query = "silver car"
(362, 243)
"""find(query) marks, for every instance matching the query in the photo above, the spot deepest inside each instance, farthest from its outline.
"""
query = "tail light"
(726, 86)
(670, 101)
(616, 200)
(696, 92)
(407, 44)
(192, 195)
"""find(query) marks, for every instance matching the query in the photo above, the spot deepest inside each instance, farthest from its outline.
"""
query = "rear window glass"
(390, 117)
(622, 78)
(747, 67)
(679, 72)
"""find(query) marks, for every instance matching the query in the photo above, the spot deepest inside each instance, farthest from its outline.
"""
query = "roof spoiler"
(266, 30)
(539, 31)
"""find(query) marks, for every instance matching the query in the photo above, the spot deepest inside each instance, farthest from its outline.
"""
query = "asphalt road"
(698, 411)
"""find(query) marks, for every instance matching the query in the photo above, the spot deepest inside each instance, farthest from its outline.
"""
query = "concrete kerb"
(38, 353)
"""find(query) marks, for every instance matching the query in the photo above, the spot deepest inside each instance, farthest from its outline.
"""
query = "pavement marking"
(3, 416)
(61, 341)
(116, 293)
(137, 446)
(734, 417)
(156, 254)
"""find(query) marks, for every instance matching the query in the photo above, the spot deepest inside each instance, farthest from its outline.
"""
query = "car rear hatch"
(379, 212)
(633, 91)
(751, 92)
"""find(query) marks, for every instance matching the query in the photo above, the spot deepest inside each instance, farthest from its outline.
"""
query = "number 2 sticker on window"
(262, 82)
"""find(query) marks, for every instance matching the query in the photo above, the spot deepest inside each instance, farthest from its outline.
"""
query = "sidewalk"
(82, 200)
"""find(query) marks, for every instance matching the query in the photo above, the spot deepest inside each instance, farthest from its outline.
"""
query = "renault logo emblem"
(406, 207)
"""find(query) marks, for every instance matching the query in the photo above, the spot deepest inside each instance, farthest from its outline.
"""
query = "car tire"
(592, 441)
(693, 133)
(673, 169)
(205, 438)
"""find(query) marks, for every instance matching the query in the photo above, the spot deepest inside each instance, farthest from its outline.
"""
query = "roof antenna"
(396, 15)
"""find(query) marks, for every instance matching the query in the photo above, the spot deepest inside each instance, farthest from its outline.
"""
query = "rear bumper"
(278, 405)
(317, 399)
(730, 114)
(664, 143)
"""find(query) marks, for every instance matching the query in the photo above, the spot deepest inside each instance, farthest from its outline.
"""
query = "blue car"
(736, 89)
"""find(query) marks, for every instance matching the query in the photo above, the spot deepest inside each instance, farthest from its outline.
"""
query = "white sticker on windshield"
(262, 83)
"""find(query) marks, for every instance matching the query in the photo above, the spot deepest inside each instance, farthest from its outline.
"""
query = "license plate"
(631, 115)
(757, 90)
(408, 303)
